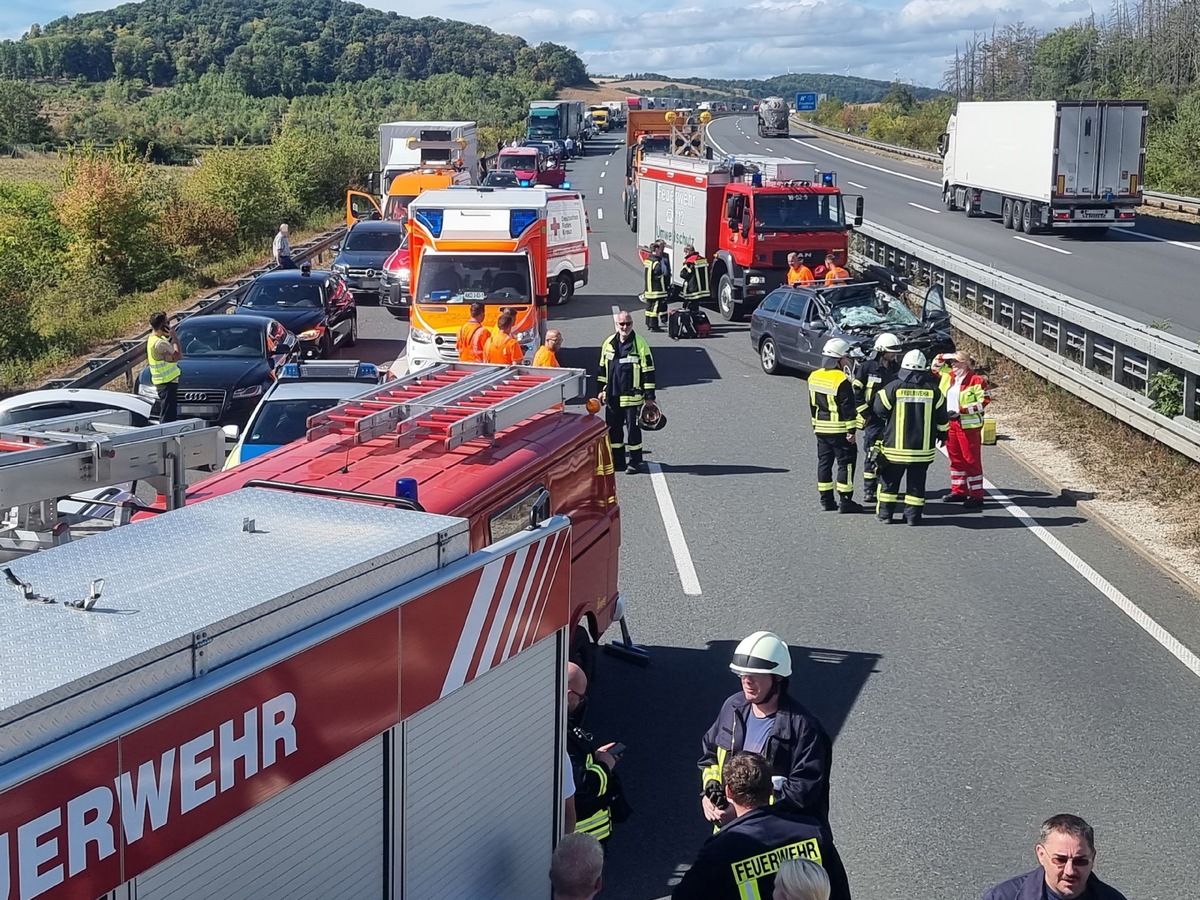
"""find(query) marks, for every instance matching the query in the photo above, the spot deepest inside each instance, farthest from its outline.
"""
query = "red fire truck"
(492, 444)
(745, 215)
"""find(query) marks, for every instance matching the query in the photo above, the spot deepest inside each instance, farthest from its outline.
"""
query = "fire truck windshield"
(798, 212)
(480, 277)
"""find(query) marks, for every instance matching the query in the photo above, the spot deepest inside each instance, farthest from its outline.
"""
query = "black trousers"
(871, 432)
(655, 309)
(624, 433)
(833, 450)
(890, 476)
(168, 401)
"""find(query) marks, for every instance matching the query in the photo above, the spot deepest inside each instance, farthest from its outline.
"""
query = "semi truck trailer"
(1046, 164)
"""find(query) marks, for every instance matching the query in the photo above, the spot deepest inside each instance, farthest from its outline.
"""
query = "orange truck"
(508, 248)
(415, 157)
(656, 131)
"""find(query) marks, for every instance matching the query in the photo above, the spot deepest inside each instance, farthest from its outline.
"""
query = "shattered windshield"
(872, 310)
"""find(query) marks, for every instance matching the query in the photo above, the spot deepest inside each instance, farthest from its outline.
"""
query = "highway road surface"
(977, 674)
(1147, 274)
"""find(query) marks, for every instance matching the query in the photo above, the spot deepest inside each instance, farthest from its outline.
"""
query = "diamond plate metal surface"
(188, 572)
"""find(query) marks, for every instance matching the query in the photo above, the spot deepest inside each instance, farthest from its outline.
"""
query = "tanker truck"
(773, 118)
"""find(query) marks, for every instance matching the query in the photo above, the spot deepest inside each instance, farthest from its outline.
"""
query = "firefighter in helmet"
(876, 371)
(763, 718)
(658, 285)
(831, 400)
(694, 274)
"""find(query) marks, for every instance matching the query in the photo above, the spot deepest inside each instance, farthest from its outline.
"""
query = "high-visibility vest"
(695, 279)
(470, 341)
(162, 371)
(824, 385)
(643, 368)
(503, 349)
(545, 357)
(973, 396)
(656, 285)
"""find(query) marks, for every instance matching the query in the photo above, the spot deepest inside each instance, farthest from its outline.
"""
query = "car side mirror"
(231, 432)
(858, 212)
(816, 325)
(336, 248)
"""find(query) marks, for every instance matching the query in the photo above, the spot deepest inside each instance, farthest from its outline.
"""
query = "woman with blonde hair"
(800, 879)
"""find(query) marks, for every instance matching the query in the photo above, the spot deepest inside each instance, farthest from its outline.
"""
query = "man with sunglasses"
(1066, 849)
(626, 385)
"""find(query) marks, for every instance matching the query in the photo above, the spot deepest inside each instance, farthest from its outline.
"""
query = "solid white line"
(861, 187)
(1153, 237)
(811, 146)
(604, 249)
(936, 212)
(1123, 603)
(679, 547)
(1017, 237)
(599, 213)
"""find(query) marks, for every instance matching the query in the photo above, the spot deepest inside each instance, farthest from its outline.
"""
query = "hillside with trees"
(848, 89)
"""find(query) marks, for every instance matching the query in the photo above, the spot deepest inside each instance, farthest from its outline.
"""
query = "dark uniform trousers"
(890, 476)
(834, 450)
(624, 433)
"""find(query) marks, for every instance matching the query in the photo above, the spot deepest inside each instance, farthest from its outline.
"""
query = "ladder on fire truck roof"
(451, 403)
(94, 454)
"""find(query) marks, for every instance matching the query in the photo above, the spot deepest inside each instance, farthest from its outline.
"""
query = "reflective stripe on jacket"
(973, 396)
(694, 273)
(870, 378)
(592, 783)
(470, 341)
(162, 371)
(831, 399)
(642, 361)
(656, 279)
(915, 412)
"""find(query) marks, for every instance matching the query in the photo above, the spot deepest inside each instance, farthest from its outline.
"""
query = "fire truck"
(279, 695)
(745, 215)
(489, 444)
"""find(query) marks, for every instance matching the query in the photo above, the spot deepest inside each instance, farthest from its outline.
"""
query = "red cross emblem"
(555, 226)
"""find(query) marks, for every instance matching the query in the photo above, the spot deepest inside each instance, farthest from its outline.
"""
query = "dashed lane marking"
(936, 212)
(861, 187)
(604, 249)
(867, 165)
(1025, 240)
(679, 547)
(599, 213)
(602, 174)
(601, 189)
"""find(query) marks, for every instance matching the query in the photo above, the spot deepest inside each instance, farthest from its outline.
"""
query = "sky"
(882, 39)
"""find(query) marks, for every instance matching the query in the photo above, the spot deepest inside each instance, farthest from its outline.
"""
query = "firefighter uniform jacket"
(831, 397)
(1032, 886)
(658, 277)
(871, 376)
(915, 412)
(694, 273)
(633, 385)
(798, 750)
(593, 814)
(739, 862)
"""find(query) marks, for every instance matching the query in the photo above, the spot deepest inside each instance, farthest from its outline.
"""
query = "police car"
(303, 390)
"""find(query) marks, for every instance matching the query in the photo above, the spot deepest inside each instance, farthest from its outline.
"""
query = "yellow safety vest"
(970, 400)
(823, 385)
(643, 368)
(162, 371)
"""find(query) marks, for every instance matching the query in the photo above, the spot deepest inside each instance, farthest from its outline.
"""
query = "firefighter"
(740, 860)
(834, 274)
(831, 398)
(966, 393)
(914, 413)
(694, 274)
(597, 789)
(473, 336)
(626, 385)
(799, 274)
(502, 348)
(762, 718)
(876, 371)
(547, 354)
(658, 285)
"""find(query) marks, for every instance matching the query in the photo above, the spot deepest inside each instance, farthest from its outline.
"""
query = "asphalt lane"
(1146, 274)
(972, 681)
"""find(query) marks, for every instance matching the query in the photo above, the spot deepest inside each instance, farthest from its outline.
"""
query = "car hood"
(228, 374)
(297, 320)
(401, 259)
(372, 259)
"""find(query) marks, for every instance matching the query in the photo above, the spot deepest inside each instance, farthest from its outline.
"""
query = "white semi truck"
(1046, 164)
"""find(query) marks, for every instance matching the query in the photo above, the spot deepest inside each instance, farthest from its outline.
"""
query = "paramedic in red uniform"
(966, 394)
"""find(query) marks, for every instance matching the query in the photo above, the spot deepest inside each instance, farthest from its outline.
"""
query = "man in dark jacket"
(741, 859)
(1066, 849)
(762, 718)
(592, 766)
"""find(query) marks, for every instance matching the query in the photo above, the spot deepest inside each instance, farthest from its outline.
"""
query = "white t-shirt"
(568, 778)
(952, 394)
(281, 247)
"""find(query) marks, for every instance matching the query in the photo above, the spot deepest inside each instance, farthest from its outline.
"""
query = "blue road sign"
(806, 102)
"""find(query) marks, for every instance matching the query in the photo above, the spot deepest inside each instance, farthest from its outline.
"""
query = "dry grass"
(43, 168)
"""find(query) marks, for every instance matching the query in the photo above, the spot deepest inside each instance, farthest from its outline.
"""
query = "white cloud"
(732, 39)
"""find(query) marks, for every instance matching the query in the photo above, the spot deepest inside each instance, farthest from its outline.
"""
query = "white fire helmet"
(836, 348)
(763, 653)
(914, 360)
(887, 343)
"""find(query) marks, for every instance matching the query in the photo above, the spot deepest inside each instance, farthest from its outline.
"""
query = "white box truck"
(1046, 164)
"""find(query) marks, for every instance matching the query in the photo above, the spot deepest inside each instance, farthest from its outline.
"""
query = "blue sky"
(751, 38)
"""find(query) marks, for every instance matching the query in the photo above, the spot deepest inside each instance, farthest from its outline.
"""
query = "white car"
(33, 406)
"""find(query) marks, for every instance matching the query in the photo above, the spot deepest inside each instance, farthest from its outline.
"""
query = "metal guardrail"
(121, 358)
(1103, 358)
(1156, 199)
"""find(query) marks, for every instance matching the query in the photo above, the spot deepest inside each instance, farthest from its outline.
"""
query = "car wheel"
(730, 309)
(767, 356)
(1006, 211)
(566, 288)
(352, 337)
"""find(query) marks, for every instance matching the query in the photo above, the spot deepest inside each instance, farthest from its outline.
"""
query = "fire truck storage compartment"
(279, 695)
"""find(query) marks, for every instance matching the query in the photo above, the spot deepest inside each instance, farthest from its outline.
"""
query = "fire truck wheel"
(730, 309)
(566, 288)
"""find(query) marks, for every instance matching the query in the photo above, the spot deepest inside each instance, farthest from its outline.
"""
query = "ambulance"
(509, 248)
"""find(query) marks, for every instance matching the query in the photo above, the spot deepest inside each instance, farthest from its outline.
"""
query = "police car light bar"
(330, 370)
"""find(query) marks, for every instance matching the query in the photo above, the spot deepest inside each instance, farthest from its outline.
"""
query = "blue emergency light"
(566, 184)
(523, 183)
(756, 179)
(828, 179)
(432, 220)
(519, 221)
(406, 489)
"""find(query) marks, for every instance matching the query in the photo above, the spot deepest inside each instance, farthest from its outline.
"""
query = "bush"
(242, 182)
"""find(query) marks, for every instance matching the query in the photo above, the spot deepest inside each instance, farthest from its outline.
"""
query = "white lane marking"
(936, 212)
(604, 249)
(1017, 237)
(599, 213)
(679, 547)
(607, 161)
(861, 187)
(936, 184)
(601, 189)
(1119, 600)
(602, 174)
(757, 144)
(1153, 237)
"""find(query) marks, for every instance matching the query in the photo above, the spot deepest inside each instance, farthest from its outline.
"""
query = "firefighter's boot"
(846, 504)
(828, 503)
(884, 512)
(912, 515)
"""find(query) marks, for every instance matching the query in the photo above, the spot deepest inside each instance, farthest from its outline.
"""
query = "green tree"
(242, 182)
(21, 120)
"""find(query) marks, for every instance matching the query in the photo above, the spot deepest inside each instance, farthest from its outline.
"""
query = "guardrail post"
(1189, 395)
(1119, 364)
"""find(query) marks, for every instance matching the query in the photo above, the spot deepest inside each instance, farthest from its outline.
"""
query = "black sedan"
(228, 362)
(790, 327)
(360, 257)
(317, 307)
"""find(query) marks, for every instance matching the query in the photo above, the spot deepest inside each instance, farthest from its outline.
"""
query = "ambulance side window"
(517, 518)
